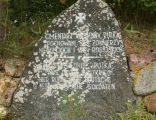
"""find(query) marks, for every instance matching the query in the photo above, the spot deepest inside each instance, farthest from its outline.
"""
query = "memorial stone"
(78, 70)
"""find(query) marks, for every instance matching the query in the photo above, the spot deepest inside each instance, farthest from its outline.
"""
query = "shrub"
(138, 11)
(149, 5)
(30, 10)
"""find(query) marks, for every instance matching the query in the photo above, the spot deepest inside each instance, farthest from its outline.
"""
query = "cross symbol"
(80, 18)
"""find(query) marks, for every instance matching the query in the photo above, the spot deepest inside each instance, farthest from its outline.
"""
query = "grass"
(19, 40)
(2, 115)
(137, 112)
(71, 108)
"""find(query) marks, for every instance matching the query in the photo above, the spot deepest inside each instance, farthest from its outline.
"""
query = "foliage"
(143, 4)
(136, 11)
(148, 5)
(137, 112)
(20, 40)
(30, 10)
(152, 38)
(129, 28)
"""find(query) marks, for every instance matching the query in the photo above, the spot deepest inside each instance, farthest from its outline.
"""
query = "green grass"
(152, 38)
(71, 108)
(19, 40)
(2, 116)
(137, 112)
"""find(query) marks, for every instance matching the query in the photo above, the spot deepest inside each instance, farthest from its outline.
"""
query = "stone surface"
(150, 102)
(138, 61)
(7, 88)
(146, 80)
(14, 67)
(8, 84)
(78, 69)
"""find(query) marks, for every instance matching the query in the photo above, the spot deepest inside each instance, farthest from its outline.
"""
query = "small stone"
(150, 102)
(3, 112)
(14, 67)
(7, 89)
(146, 80)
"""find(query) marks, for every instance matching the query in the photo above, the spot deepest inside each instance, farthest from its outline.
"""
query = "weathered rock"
(78, 69)
(7, 88)
(8, 84)
(14, 67)
(138, 61)
(4, 77)
(150, 102)
(146, 80)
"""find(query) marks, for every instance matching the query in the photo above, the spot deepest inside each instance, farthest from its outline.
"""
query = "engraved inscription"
(71, 46)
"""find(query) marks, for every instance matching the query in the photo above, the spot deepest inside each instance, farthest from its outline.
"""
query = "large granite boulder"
(78, 70)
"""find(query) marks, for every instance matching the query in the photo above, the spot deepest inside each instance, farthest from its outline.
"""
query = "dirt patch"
(143, 42)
